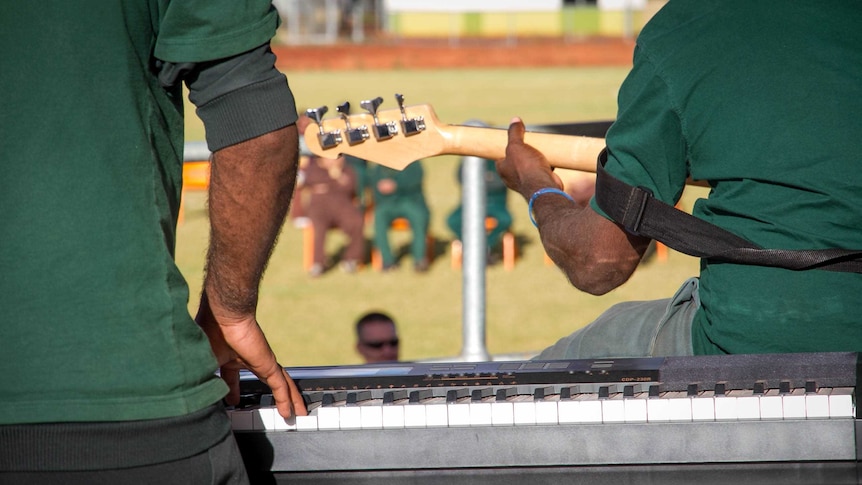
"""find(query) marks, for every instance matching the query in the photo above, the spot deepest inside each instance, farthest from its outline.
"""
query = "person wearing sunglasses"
(377, 338)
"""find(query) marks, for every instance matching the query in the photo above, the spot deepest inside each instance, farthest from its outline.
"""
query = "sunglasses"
(379, 345)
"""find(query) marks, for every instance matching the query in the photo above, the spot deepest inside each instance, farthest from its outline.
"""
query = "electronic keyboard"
(771, 418)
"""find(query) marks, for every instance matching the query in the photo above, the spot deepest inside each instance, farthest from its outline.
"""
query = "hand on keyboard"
(239, 343)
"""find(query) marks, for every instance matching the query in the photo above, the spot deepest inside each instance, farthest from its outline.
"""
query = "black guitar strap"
(641, 214)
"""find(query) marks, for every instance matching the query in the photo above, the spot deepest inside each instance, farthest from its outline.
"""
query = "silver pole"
(333, 13)
(294, 33)
(196, 151)
(357, 34)
(628, 20)
(475, 259)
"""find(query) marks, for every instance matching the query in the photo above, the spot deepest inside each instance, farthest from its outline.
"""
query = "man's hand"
(239, 343)
(525, 170)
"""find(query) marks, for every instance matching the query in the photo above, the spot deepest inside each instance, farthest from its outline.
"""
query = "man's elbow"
(598, 278)
(596, 285)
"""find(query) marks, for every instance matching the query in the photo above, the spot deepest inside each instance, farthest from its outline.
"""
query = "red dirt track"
(467, 53)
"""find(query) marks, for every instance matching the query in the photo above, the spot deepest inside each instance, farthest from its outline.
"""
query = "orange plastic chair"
(196, 176)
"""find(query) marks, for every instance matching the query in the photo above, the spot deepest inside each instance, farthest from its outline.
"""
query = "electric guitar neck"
(397, 137)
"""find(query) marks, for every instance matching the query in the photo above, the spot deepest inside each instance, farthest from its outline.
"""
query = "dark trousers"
(331, 213)
(161, 452)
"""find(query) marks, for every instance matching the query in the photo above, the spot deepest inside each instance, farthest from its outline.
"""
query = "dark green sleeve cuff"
(248, 112)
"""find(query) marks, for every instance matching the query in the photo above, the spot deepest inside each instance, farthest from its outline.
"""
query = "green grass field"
(310, 321)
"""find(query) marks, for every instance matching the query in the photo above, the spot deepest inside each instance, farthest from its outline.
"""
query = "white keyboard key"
(328, 417)
(658, 410)
(613, 410)
(568, 411)
(546, 412)
(480, 414)
(414, 416)
(306, 423)
(841, 403)
(349, 417)
(263, 419)
(268, 419)
(636, 409)
(393, 416)
(282, 424)
(747, 404)
(817, 404)
(437, 415)
(679, 406)
(793, 404)
(525, 412)
(703, 407)
(502, 414)
(459, 414)
(371, 416)
(591, 411)
(771, 405)
(725, 408)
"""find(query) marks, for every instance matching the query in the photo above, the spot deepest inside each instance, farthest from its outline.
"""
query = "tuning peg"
(343, 108)
(328, 139)
(354, 135)
(382, 131)
(371, 105)
(410, 126)
(316, 113)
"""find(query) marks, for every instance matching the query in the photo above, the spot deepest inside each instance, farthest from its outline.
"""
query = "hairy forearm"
(251, 185)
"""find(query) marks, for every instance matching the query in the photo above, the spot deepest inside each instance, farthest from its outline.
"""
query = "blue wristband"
(546, 190)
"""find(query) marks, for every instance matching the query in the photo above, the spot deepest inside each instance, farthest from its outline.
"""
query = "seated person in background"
(377, 338)
(363, 198)
(331, 185)
(495, 206)
(398, 193)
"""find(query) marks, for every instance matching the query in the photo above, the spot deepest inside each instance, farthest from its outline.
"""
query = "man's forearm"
(251, 185)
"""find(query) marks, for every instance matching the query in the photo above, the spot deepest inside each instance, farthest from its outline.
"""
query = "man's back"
(89, 189)
(762, 99)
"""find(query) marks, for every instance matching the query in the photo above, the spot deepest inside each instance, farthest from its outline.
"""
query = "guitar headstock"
(394, 137)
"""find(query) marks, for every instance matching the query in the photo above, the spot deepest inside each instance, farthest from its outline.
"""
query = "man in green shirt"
(762, 101)
(496, 194)
(398, 193)
(107, 378)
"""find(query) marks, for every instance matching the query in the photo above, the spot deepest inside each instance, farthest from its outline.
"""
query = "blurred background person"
(331, 184)
(395, 194)
(495, 204)
(377, 338)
